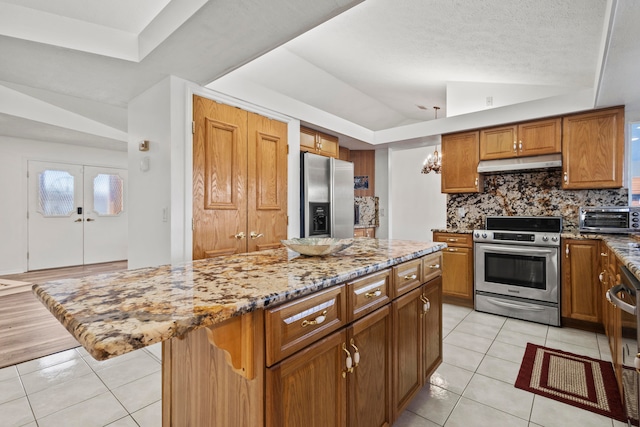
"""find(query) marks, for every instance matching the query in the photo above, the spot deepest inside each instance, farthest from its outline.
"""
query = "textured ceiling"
(372, 64)
(393, 56)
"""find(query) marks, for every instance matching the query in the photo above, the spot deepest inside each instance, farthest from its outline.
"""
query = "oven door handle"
(529, 307)
(515, 249)
(613, 297)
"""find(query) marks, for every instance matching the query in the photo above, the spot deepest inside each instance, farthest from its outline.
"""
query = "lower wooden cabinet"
(457, 267)
(581, 298)
(308, 389)
(417, 341)
(317, 361)
(318, 387)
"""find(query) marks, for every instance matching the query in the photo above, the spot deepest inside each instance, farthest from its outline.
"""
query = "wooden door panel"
(407, 377)
(219, 179)
(460, 157)
(457, 272)
(308, 388)
(592, 149)
(498, 143)
(267, 177)
(541, 137)
(432, 328)
(370, 384)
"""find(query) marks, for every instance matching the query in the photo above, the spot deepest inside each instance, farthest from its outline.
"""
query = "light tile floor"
(472, 387)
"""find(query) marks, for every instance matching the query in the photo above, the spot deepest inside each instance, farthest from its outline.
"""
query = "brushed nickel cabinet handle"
(566, 251)
(434, 266)
(410, 277)
(520, 146)
(476, 182)
(514, 146)
(566, 177)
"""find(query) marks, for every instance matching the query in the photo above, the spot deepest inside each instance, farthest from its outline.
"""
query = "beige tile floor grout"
(472, 387)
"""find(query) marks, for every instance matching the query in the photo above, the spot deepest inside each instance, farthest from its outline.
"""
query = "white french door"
(77, 215)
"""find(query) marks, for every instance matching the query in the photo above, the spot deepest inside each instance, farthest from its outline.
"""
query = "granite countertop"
(452, 230)
(112, 314)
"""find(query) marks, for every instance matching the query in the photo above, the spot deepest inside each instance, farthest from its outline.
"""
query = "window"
(55, 193)
(107, 194)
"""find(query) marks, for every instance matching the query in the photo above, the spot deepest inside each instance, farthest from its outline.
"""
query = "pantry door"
(77, 215)
(105, 215)
(55, 219)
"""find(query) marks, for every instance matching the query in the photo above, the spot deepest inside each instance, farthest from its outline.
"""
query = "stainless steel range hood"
(520, 163)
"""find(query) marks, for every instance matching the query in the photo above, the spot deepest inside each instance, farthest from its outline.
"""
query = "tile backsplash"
(537, 193)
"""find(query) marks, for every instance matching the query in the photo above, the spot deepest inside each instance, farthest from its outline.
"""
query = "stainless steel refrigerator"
(326, 197)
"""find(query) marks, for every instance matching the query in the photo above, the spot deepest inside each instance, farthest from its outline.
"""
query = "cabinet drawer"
(454, 239)
(367, 294)
(432, 266)
(406, 277)
(293, 326)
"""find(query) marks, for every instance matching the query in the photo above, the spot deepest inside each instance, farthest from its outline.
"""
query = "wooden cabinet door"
(308, 389)
(457, 272)
(581, 299)
(267, 183)
(407, 349)
(592, 149)
(308, 140)
(219, 179)
(431, 328)
(460, 157)
(498, 143)
(540, 137)
(328, 145)
(369, 385)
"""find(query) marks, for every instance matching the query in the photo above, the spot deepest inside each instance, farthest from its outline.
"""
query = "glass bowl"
(317, 246)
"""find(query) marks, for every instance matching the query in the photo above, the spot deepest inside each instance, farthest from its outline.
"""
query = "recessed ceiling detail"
(118, 29)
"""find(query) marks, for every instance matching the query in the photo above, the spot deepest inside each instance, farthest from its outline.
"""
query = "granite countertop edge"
(113, 314)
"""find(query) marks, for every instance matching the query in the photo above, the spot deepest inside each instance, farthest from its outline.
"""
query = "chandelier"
(433, 163)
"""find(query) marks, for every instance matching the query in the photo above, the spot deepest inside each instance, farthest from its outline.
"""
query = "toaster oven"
(610, 219)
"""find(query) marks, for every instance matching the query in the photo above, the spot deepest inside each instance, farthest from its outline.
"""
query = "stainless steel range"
(517, 268)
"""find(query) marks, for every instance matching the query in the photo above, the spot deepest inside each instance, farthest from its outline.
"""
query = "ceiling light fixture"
(433, 163)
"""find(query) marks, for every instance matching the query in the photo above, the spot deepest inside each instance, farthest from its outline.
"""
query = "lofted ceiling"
(377, 64)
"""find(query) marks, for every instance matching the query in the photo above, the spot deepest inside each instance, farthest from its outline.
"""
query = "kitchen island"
(233, 327)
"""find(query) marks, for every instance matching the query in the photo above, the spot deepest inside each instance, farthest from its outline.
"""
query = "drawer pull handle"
(452, 250)
(356, 354)
(318, 320)
(604, 254)
(432, 266)
(375, 293)
(410, 277)
(348, 361)
(452, 240)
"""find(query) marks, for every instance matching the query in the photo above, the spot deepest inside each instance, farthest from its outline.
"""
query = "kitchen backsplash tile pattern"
(536, 193)
(366, 211)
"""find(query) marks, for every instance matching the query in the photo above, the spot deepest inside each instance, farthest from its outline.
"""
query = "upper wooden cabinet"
(364, 165)
(460, 157)
(592, 149)
(319, 143)
(521, 140)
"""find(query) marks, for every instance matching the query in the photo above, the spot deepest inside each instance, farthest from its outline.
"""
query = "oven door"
(530, 272)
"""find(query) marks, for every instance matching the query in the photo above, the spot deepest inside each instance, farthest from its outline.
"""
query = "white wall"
(14, 155)
(469, 97)
(416, 204)
(382, 191)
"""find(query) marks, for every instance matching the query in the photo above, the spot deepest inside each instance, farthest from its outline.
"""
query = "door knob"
(255, 235)
(90, 219)
(78, 220)
(240, 235)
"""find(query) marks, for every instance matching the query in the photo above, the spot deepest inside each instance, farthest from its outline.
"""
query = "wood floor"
(27, 329)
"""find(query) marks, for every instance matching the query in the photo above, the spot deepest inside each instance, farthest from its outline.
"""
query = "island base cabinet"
(316, 386)
(432, 328)
(308, 389)
(201, 389)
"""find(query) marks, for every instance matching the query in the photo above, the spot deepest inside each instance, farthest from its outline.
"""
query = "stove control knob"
(634, 225)
(634, 213)
(484, 235)
(545, 238)
(477, 234)
(554, 239)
